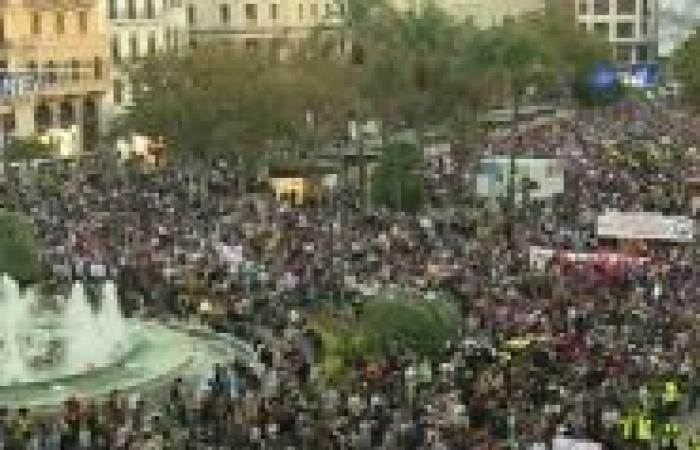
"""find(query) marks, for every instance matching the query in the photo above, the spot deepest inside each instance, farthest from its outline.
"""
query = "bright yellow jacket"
(644, 429)
(670, 394)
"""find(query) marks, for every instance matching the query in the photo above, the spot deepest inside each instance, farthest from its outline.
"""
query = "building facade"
(483, 13)
(54, 68)
(631, 26)
(258, 23)
(137, 29)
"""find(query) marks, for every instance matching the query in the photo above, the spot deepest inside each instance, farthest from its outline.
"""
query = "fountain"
(73, 342)
(47, 355)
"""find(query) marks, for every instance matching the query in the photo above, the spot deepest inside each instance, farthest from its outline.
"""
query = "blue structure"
(645, 75)
(603, 78)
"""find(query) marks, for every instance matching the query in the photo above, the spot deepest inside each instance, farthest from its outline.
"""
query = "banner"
(545, 176)
(539, 257)
(645, 226)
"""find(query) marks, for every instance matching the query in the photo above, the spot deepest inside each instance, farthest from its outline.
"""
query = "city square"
(361, 224)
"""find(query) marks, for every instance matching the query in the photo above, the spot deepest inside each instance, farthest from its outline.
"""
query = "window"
(36, 23)
(83, 22)
(274, 11)
(113, 9)
(328, 9)
(314, 10)
(75, 69)
(60, 23)
(602, 28)
(624, 54)
(645, 7)
(191, 15)
(131, 9)
(118, 92)
(193, 42)
(601, 7)
(32, 67)
(2, 29)
(644, 27)
(225, 14)
(98, 68)
(342, 9)
(625, 30)
(301, 11)
(51, 71)
(133, 45)
(116, 54)
(583, 7)
(251, 12)
(251, 45)
(627, 7)
(642, 53)
(583, 26)
(357, 55)
(152, 43)
(168, 37)
(150, 9)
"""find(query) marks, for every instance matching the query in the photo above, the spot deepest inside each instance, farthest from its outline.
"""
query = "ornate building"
(137, 29)
(267, 25)
(54, 68)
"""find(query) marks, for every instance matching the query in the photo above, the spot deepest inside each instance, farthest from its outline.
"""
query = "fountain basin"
(162, 353)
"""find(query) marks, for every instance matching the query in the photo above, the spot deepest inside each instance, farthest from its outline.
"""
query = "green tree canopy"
(18, 248)
(686, 62)
(26, 149)
(397, 182)
(404, 321)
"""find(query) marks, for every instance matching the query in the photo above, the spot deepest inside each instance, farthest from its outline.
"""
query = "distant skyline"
(676, 21)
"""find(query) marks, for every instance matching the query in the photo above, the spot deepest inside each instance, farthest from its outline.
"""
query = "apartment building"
(482, 13)
(258, 24)
(137, 29)
(54, 67)
(631, 26)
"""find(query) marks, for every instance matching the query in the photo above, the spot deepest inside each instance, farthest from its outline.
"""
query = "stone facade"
(54, 60)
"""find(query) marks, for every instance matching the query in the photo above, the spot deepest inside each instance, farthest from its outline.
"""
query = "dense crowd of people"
(606, 353)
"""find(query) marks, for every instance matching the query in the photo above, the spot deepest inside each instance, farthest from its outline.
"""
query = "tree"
(25, 150)
(215, 101)
(575, 51)
(402, 320)
(391, 320)
(686, 62)
(397, 181)
(18, 248)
